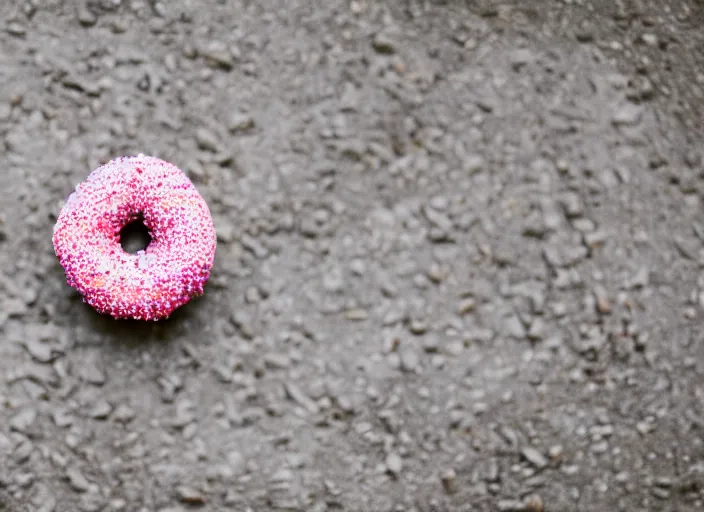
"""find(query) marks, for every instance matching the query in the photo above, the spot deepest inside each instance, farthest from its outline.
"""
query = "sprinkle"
(175, 265)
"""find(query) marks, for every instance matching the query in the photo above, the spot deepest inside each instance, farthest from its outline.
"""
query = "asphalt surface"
(459, 264)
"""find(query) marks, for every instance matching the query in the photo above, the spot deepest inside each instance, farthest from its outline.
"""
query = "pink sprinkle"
(173, 268)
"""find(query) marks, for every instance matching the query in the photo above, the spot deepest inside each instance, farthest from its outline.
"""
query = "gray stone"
(410, 361)
(514, 327)
(24, 420)
(384, 43)
(76, 480)
(39, 350)
(207, 140)
(15, 28)
(394, 464)
(190, 495)
(535, 457)
(628, 114)
(101, 410)
(240, 122)
(86, 16)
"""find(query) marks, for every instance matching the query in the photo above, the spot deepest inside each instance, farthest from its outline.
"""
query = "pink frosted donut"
(152, 283)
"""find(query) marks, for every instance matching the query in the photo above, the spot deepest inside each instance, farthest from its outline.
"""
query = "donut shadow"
(129, 334)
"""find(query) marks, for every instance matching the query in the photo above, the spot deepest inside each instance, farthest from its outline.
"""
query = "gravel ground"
(459, 261)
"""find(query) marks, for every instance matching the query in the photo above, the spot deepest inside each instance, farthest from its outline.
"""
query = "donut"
(169, 272)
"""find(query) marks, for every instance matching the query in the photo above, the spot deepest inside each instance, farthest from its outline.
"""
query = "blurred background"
(459, 258)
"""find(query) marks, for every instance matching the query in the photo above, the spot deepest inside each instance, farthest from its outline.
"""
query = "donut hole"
(134, 237)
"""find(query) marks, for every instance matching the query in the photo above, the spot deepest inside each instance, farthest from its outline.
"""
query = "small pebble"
(101, 410)
(533, 456)
(466, 306)
(207, 140)
(409, 360)
(124, 413)
(555, 452)
(629, 115)
(23, 420)
(190, 495)
(394, 464)
(85, 16)
(76, 480)
(384, 43)
(15, 28)
(449, 480)
(601, 298)
(240, 122)
(534, 503)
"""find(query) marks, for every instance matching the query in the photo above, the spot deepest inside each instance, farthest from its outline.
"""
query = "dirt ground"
(459, 263)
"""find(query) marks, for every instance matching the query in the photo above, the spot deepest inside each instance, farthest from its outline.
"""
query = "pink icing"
(151, 284)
